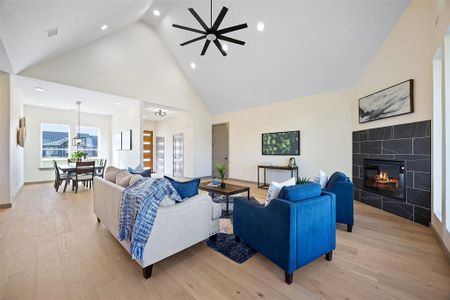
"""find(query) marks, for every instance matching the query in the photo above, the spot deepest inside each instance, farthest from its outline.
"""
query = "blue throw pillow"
(140, 171)
(300, 192)
(185, 189)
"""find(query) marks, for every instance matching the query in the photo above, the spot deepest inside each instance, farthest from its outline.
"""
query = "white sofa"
(176, 227)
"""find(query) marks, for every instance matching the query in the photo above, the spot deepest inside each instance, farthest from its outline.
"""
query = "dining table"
(71, 168)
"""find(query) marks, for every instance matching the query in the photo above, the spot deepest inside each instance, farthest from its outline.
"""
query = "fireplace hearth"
(385, 177)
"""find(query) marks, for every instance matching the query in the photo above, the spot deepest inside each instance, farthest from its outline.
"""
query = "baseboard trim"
(441, 243)
(242, 180)
(37, 182)
(6, 205)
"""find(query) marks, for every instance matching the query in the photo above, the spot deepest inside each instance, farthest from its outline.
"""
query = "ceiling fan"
(212, 33)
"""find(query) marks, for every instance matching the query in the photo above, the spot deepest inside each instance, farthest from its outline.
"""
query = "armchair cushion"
(185, 189)
(300, 192)
(336, 177)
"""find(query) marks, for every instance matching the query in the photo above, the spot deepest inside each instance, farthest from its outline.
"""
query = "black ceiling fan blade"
(193, 40)
(205, 47)
(219, 46)
(232, 28)
(188, 28)
(220, 17)
(196, 16)
(231, 40)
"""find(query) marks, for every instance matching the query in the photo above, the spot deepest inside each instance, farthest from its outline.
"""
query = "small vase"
(222, 185)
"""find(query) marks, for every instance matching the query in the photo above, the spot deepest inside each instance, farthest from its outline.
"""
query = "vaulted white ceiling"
(23, 25)
(307, 47)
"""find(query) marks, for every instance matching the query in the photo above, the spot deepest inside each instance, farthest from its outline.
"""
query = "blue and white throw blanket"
(140, 203)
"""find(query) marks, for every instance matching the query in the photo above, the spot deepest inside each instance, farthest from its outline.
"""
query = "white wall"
(37, 115)
(324, 122)
(5, 196)
(127, 119)
(133, 62)
(182, 122)
(16, 152)
(405, 54)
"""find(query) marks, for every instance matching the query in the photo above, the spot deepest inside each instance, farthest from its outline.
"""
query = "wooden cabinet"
(148, 149)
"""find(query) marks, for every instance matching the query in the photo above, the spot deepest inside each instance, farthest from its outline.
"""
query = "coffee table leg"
(248, 194)
(228, 211)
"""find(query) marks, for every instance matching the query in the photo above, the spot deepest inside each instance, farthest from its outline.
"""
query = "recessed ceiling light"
(193, 65)
(260, 26)
(39, 89)
(225, 47)
(117, 103)
(156, 12)
(104, 27)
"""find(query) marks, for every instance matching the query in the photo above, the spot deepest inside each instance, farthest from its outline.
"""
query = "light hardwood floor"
(51, 247)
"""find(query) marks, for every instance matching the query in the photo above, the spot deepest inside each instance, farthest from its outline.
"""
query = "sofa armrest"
(344, 192)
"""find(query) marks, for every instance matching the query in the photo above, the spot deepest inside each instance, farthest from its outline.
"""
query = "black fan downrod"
(212, 33)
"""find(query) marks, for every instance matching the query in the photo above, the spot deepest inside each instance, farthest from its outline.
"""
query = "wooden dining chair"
(59, 176)
(101, 171)
(84, 173)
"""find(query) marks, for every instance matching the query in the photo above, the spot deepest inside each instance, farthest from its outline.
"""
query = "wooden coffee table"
(227, 191)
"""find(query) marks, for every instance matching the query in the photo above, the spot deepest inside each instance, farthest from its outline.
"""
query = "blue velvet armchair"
(291, 231)
(340, 185)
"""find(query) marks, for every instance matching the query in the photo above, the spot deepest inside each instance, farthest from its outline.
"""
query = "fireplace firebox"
(385, 177)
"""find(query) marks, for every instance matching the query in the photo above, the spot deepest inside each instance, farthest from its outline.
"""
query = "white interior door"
(219, 147)
(178, 155)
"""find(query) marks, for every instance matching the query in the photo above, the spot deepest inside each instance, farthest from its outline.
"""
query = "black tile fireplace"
(392, 169)
(385, 177)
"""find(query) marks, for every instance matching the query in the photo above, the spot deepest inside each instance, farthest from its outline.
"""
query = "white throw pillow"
(321, 179)
(111, 173)
(275, 188)
(123, 178)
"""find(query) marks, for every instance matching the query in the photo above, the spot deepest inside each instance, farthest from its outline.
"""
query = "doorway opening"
(220, 144)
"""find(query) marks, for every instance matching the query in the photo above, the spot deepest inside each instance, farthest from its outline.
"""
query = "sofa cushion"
(123, 178)
(134, 178)
(111, 173)
(300, 192)
(337, 176)
(275, 188)
(185, 189)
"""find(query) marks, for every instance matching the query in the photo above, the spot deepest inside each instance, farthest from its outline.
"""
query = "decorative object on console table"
(292, 162)
(265, 167)
(393, 101)
(281, 143)
(222, 170)
(127, 140)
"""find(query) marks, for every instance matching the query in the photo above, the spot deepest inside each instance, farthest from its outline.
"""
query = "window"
(91, 135)
(54, 144)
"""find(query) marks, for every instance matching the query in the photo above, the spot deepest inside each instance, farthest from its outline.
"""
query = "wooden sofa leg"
(147, 271)
(329, 256)
(213, 237)
(349, 227)
(288, 277)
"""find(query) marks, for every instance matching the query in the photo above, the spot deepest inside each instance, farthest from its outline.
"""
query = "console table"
(287, 168)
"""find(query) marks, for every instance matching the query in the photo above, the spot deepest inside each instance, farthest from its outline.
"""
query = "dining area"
(76, 172)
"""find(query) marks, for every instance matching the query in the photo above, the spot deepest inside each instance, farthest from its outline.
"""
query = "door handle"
(226, 157)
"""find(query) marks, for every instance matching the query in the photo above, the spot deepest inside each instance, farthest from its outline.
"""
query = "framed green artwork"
(281, 143)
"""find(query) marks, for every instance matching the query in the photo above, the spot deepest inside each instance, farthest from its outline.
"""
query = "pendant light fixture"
(78, 140)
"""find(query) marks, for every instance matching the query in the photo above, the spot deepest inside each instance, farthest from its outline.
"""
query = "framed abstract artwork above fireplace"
(392, 101)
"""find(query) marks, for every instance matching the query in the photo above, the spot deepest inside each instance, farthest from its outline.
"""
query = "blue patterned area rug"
(236, 251)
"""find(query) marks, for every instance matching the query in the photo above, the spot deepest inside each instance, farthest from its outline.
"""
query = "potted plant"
(222, 170)
(78, 155)
(302, 180)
